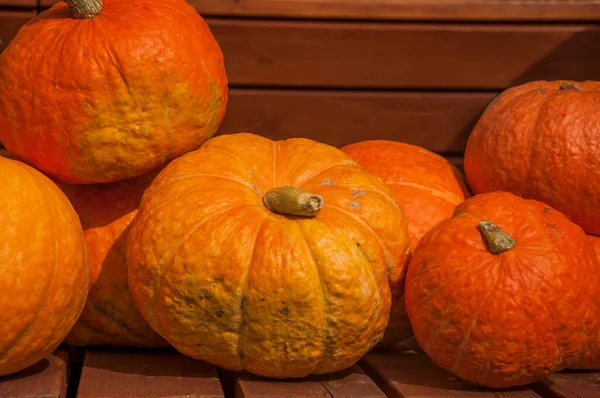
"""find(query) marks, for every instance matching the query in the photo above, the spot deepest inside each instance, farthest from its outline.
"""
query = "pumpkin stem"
(84, 9)
(292, 201)
(498, 241)
(569, 86)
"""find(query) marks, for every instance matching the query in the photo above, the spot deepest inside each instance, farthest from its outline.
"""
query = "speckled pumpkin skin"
(44, 275)
(428, 188)
(109, 316)
(225, 280)
(112, 97)
(507, 319)
(591, 357)
(540, 142)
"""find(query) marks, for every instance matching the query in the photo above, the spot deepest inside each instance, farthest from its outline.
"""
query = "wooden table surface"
(103, 373)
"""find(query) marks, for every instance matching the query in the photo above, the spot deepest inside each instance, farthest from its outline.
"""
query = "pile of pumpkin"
(123, 222)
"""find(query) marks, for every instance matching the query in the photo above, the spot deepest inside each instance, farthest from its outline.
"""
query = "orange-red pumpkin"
(591, 357)
(540, 141)
(96, 91)
(44, 275)
(267, 256)
(428, 188)
(109, 316)
(501, 293)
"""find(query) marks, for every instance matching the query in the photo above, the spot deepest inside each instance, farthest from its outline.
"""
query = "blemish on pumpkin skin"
(358, 193)
(328, 182)
(285, 311)
(354, 204)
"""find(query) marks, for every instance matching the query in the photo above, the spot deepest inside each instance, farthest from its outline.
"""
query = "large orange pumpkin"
(109, 316)
(428, 188)
(499, 293)
(591, 357)
(267, 256)
(97, 91)
(44, 275)
(539, 140)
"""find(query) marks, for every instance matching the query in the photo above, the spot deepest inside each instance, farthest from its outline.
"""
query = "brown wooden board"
(410, 375)
(440, 122)
(404, 55)
(156, 373)
(10, 23)
(18, 3)
(570, 384)
(45, 379)
(352, 382)
(406, 9)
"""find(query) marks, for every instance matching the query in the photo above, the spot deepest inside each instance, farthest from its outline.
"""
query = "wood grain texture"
(45, 379)
(404, 55)
(352, 382)
(406, 9)
(146, 374)
(570, 384)
(409, 375)
(18, 3)
(440, 122)
(10, 23)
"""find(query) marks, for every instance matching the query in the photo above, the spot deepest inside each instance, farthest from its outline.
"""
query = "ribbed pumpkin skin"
(112, 97)
(427, 187)
(539, 141)
(44, 275)
(109, 316)
(507, 319)
(225, 280)
(591, 357)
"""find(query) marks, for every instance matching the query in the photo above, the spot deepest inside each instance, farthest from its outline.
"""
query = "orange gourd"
(109, 316)
(590, 359)
(428, 188)
(539, 140)
(499, 294)
(44, 275)
(267, 256)
(95, 91)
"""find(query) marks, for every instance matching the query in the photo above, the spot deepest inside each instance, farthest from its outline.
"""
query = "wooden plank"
(570, 384)
(352, 382)
(18, 3)
(47, 379)
(158, 373)
(404, 55)
(10, 23)
(409, 375)
(452, 10)
(440, 122)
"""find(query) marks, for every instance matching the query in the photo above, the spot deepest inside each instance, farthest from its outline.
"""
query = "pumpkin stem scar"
(84, 9)
(497, 240)
(292, 201)
(569, 86)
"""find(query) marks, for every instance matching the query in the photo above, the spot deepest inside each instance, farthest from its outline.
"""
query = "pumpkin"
(591, 357)
(109, 316)
(538, 140)
(428, 188)
(267, 256)
(96, 91)
(44, 275)
(498, 294)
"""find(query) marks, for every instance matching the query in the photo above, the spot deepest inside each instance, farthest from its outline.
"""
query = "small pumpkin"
(428, 188)
(44, 275)
(95, 91)
(109, 316)
(498, 294)
(590, 359)
(539, 140)
(267, 256)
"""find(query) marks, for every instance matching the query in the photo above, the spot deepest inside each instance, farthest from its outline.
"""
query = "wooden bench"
(104, 373)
